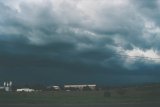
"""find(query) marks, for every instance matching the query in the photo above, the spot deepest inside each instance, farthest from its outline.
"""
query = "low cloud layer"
(61, 41)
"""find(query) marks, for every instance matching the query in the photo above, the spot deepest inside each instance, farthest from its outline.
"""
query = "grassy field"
(119, 95)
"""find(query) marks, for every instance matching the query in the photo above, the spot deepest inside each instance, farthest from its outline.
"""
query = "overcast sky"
(108, 42)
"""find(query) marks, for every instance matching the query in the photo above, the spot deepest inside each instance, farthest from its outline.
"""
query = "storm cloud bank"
(80, 41)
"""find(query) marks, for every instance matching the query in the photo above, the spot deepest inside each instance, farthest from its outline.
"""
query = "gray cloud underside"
(67, 42)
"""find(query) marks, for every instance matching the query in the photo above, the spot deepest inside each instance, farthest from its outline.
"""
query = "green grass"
(83, 97)
(50, 97)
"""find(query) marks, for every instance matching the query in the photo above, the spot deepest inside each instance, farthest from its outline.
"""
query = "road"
(98, 105)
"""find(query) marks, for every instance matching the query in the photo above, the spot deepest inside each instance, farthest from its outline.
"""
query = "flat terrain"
(100, 105)
(78, 97)
(118, 97)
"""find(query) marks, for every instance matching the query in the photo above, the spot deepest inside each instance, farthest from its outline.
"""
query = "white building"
(25, 90)
(7, 86)
(81, 87)
(92, 86)
(56, 87)
(1, 88)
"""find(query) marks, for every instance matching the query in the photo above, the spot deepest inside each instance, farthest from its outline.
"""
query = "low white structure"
(81, 87)
(25, 90)
(92, 86)
(56, 87)
(7, 89)
(75, 86)
(1, 88)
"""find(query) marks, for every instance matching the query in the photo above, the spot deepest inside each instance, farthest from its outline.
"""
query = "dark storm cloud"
(151, 4)
(150, 9)
(70, 41)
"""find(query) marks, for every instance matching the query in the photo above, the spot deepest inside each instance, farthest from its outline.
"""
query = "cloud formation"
(106, 42)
